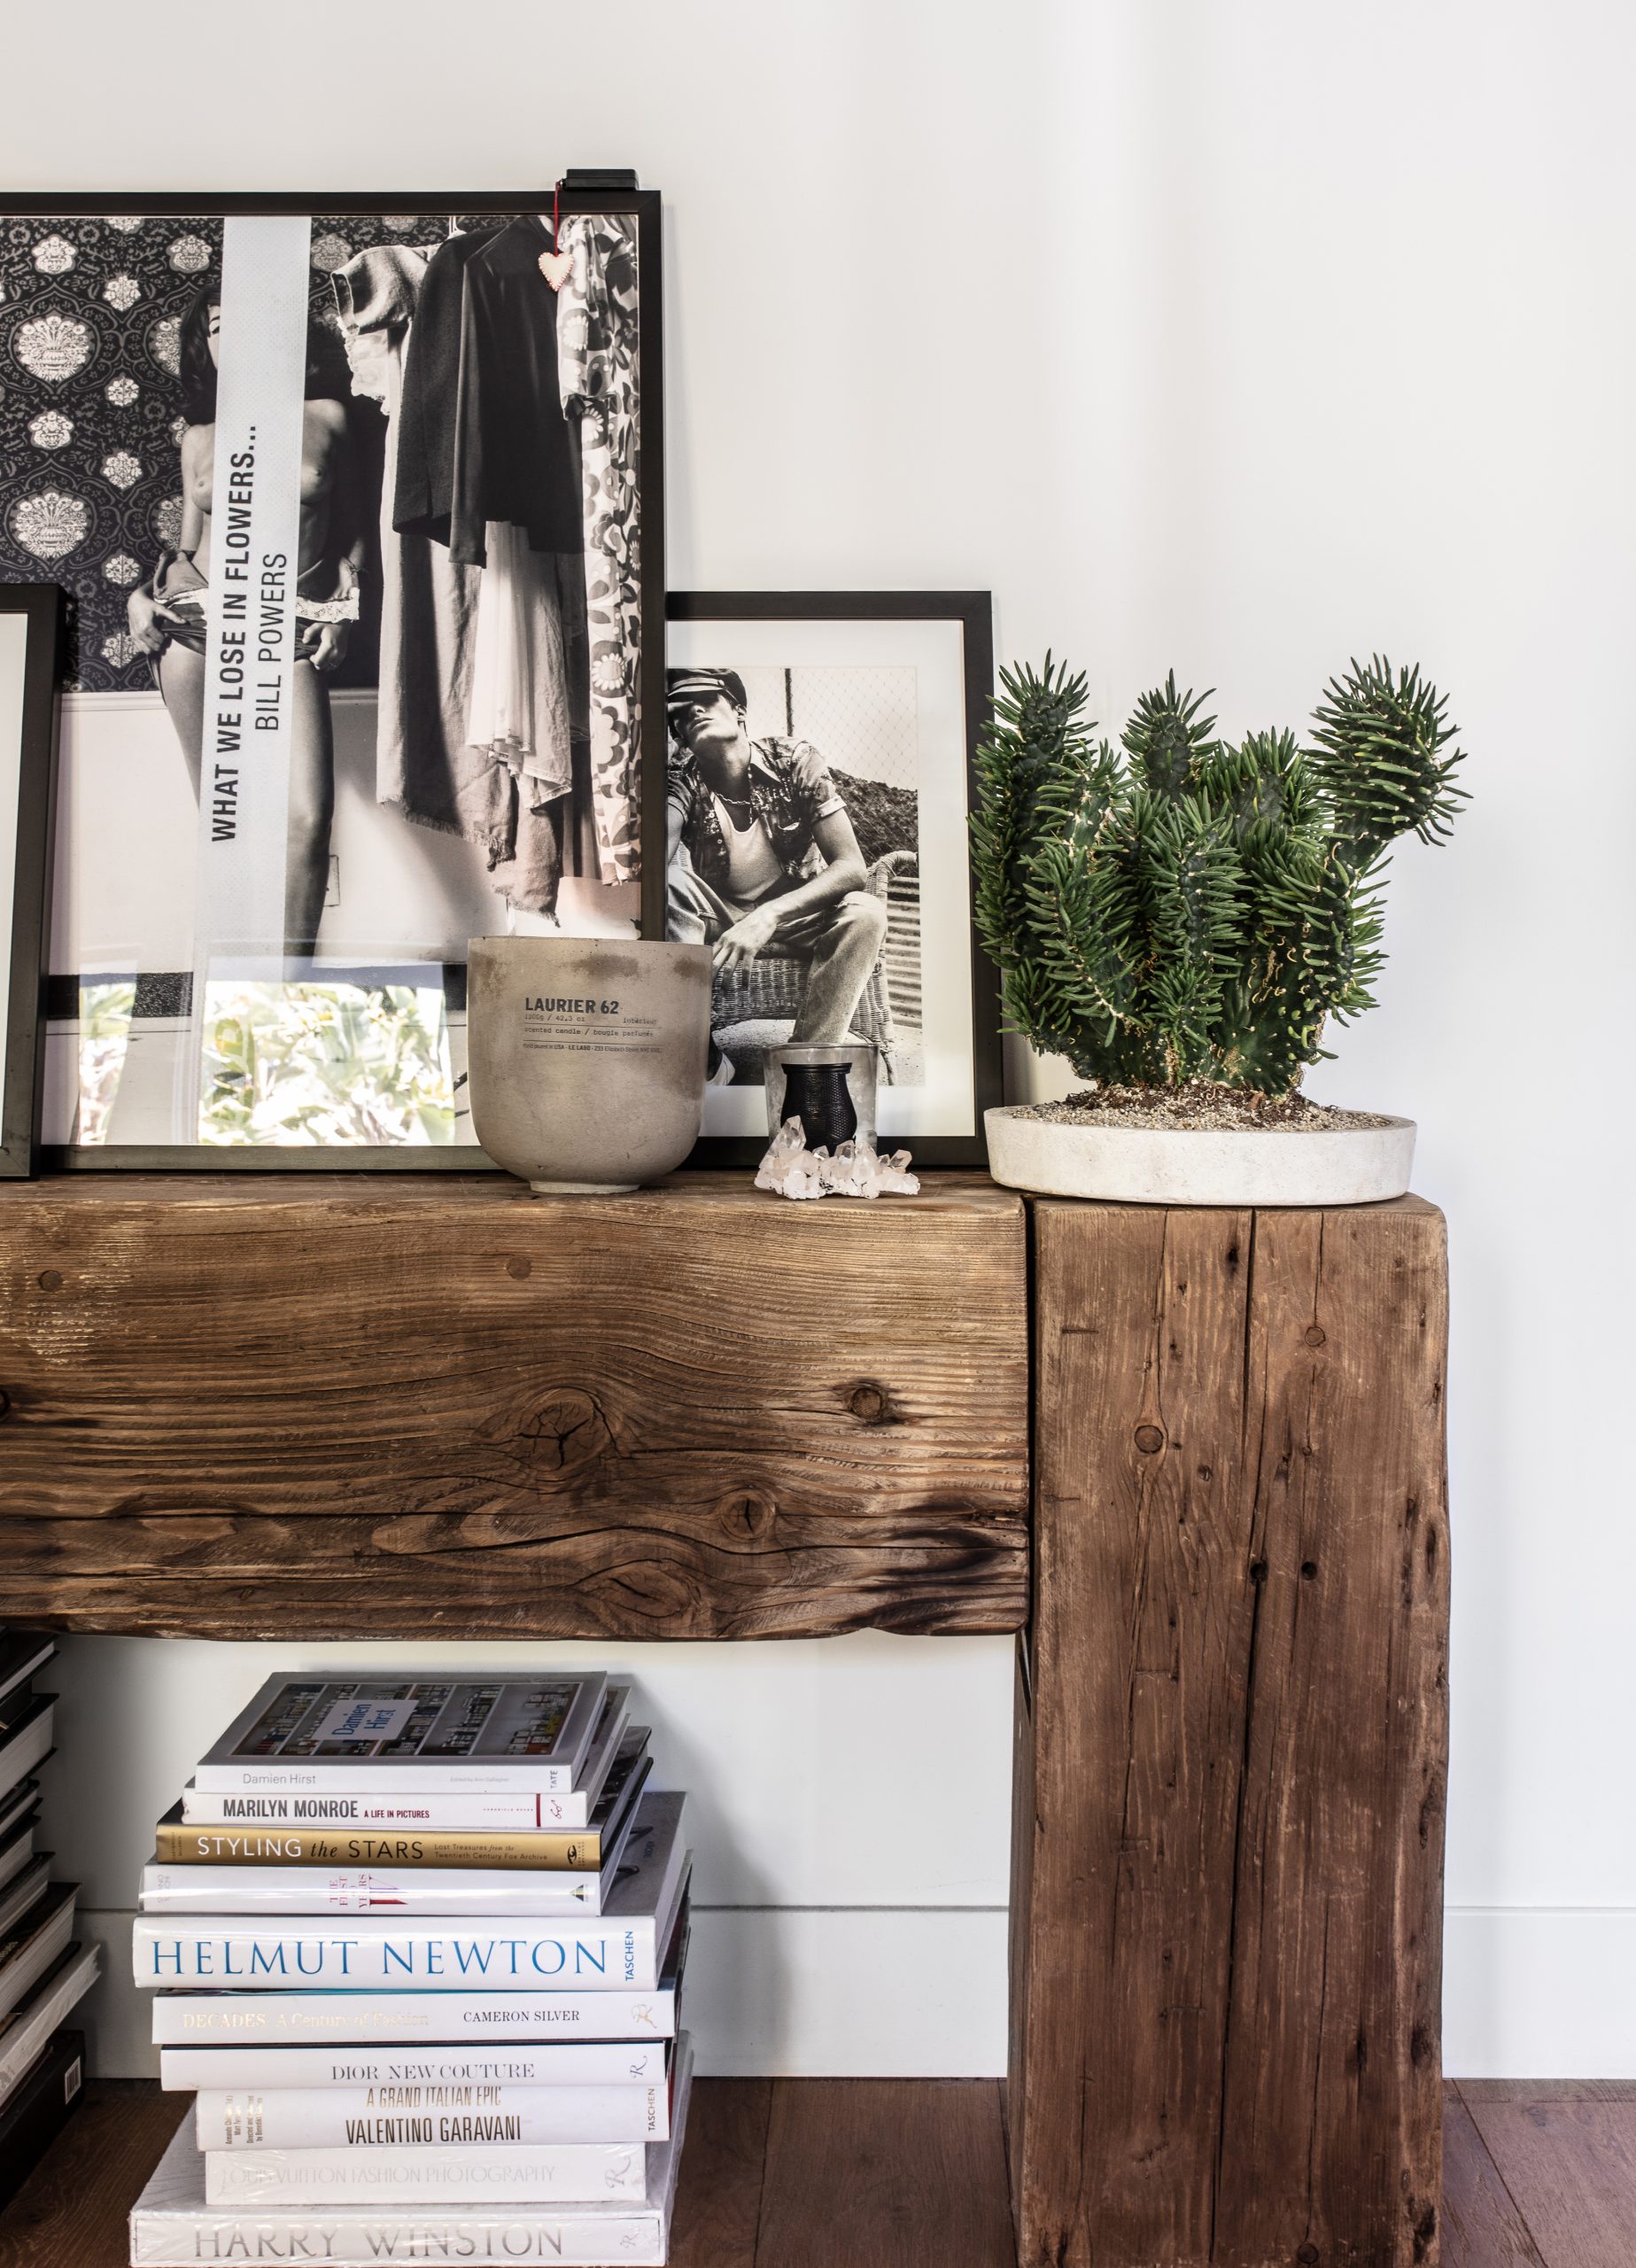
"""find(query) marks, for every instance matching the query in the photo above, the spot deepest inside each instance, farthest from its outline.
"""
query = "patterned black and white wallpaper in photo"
(90, 313)
(89, 427)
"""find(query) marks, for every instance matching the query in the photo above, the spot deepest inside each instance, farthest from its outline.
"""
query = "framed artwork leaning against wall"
(357, 506)
(819, 783)
(30, 645)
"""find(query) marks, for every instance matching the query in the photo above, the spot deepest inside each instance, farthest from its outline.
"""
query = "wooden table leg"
(1232, 1740)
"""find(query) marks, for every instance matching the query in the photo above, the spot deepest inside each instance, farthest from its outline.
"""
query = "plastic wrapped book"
(172, 2219)
(523, 1733)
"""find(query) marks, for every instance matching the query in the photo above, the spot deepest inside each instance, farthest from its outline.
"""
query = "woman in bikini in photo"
(167, 618)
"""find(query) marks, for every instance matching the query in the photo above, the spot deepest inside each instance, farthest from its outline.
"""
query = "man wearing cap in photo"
(771, 863)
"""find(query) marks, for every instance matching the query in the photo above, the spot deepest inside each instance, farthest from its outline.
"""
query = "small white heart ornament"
(554, 267)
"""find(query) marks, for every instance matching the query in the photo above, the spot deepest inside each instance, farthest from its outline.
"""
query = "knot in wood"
(870, 1402)
(1150, 1440)
(1308, 2255)
(571, 1428)
(1315, 1336)
(5, 1404)
(50, 1280)
(747, 1514)
(519, 1268)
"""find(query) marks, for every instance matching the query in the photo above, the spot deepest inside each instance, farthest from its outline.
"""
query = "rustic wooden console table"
(338, 1407)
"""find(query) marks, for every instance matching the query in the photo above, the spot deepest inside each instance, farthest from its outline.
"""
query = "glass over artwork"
(817, 795)
(348, 508)
(30, 626)
(13, 659)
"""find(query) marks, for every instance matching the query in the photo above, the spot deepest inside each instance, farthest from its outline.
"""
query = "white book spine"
(634, 2062)
(420, 1777)
(172, 2221)
(368, 1889)
(454, 1815)
(476, 2239)
(574, 2173)
(427, 2114)
(268, 1954)
(361, 2019)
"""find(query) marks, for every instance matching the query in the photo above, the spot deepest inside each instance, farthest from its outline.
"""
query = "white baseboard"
(780, 1991)
(1539, 1993)
(895, 1992)
(850, 1992)
(114, 2015)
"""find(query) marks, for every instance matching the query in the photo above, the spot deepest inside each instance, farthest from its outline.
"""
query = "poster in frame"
(364, 618)
(30, 647)
(812, 730)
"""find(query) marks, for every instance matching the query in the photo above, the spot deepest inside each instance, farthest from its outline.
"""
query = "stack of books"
(416, 1945)
(43, 1971)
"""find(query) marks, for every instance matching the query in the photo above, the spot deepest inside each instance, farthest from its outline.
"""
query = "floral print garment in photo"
(597, 359)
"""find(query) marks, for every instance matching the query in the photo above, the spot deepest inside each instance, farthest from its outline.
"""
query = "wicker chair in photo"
(755, 1008)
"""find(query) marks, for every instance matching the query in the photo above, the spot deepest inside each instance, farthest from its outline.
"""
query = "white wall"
(1239, 338)
(1348, 364)
(848, 1813)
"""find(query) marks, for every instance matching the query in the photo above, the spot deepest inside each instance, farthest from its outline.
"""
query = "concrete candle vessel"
(587, 1057)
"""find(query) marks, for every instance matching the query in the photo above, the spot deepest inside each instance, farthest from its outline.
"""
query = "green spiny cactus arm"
(1073, 806)
(1032, 1007)
(1185, 866)
(1167, 740)
(1378, 757)
(1313, 954)
(1200, 910)
(1034, 734)
(1265, 778)
(1085, 913)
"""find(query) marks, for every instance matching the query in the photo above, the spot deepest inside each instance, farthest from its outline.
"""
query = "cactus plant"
(1184, 909)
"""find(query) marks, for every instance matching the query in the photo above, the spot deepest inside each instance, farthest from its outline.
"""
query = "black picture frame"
(22, 1065)
(580, 190)
(974, 611)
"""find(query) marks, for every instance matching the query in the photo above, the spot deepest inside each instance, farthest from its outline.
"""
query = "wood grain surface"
(1570, 2166)
(71, 2211)
(1231, 1898)
(717, 2219)
(926, 2151)
(1476, 2091)
(347, 1407)
(1482, 2227)
(885, 2173)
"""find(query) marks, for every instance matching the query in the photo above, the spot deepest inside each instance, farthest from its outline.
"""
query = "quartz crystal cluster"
(856, 1169)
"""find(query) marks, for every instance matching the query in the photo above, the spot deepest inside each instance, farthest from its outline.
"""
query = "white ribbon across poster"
(240, 926)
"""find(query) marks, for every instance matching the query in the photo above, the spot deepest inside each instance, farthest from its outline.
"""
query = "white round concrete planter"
(587, 1057)
(1168, 1165)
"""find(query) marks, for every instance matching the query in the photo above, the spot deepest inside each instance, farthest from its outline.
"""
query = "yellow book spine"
(177, 1844)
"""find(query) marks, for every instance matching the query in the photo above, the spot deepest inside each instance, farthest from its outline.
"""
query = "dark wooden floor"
(877, 2173)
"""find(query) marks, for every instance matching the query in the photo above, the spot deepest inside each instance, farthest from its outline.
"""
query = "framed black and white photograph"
(357, 506)
(820, 771)
(30, 641)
